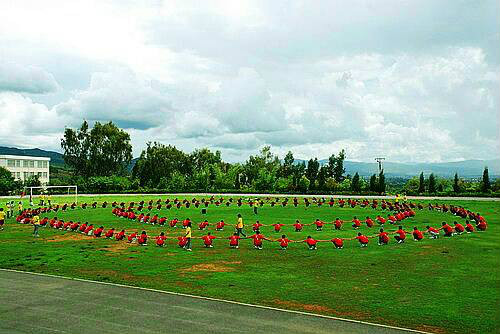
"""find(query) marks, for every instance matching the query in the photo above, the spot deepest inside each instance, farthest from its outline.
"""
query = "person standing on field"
(239, 226)
(36, 224)
(188, 237)
(2, 218)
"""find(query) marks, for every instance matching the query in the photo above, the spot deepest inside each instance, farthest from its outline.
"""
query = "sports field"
(448, 285)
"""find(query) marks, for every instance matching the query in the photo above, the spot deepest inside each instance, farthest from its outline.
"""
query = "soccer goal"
(43, 195)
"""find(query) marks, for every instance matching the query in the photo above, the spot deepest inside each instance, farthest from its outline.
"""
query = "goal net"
(51, 195)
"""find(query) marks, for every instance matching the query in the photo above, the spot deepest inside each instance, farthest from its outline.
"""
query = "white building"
(23, 167)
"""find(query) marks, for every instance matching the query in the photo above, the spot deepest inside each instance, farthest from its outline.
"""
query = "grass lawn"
(449, 285)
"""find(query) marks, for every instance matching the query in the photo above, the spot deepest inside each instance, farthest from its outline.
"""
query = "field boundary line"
(219, 300)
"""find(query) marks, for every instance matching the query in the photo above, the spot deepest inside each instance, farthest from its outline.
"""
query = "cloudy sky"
(408, 80)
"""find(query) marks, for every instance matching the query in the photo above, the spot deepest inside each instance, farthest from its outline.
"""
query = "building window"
(32, 174)
(26, 163)
(32, 163)
(45, 164)
(26, 175)
(44, 175)
(18, 175)
(11, 163)
(39, 174)
(18, 163)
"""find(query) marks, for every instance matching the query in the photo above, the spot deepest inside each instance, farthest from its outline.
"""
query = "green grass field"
(449, 285)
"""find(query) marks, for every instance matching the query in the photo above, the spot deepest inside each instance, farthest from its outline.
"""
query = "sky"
(412, 81)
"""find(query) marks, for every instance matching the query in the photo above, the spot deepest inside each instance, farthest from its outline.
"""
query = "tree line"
(100, 160)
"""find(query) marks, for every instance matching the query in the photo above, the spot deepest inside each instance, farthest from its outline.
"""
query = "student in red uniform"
(277, 227)
(298, 226)
(173, 222)
(256, 226)
(459, 228)
(73, 227)
(319, 225)
(98, 231)
(160, 239)
(338, 243)
(88, 230)
(185, 222)
(356, 223)
(482, 226)
(338, 224)
(132, 237)
(311, 243)
(203, 225)
(207, 240)
(381, 220)
(363, 240)
(469, 227)
(82, 228)
(67, 225)
(143, 239)
(369, 222)
(392, 219)
(220, 225)
(283, 242)
(234, 241)
(400, 235)
(433, 232)
(447, 229)
(182, 241)
(417, 234)
(257, 240)
(383, 237)
(109, 233)
(120, 235)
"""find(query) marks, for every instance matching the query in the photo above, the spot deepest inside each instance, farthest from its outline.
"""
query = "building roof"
(23, 157)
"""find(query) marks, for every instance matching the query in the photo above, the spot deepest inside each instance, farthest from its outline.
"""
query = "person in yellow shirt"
(42, 199)
(2, 218)
(36, 224)
(49, 199)
(20, 207)
(188, 237)
(240, 226)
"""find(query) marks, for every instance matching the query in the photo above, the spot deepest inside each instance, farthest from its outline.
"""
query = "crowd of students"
(474, 221)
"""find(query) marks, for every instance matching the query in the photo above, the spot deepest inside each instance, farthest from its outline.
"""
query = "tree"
(204, 157)
(421, 186)
(411, 186)
(355, 183)
(158, 161)
(312, 172)
(335, 166)
(381, 182)
(322, 176)
(7, 182)
(373, 183)
(32, 181)
(456, 186)
(103, 151)
(303, 184)
(486, 184)
(286, 169)
(432, 183)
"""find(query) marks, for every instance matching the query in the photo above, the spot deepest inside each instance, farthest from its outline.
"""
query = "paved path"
(31, 303)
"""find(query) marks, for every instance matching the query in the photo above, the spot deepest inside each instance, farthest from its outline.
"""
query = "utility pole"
(379, 160)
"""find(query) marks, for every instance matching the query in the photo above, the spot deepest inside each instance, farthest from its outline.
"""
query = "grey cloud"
(26, 79)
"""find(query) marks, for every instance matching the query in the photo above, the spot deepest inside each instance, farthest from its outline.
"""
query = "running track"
(32, 303)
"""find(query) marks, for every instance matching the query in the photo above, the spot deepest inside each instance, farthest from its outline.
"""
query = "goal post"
(44, 192)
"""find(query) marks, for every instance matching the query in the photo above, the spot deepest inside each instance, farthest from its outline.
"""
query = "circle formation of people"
(132, 211)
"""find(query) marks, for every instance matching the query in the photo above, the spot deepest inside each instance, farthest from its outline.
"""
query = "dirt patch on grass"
(215, 267)
(68, 237)
(313, 308)
(108, 273)
(116, 247)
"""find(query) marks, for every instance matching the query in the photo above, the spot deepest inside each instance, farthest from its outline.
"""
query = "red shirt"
(257, 239)
(381, 220)
(392, 218)
(277, 227)
(298, 226)
(120, 235)
(256, 226)
(207, 239)
(185, 222)
(173, 222)
(433, 230)
(182, 241)
(283, 242)
(356, 222)
(160, 240)
(482, 225)
(220, 225)
(362, 239)
(202, 225)
(233, 240)
(402, 234)
(447, 229)
(418, 235)
(469, 227)
(311, 242)
(369, 222)
(88, 229)
(459, 228)
(109, 234)
(132, 236)
(384, 237)
(338, 223)
(338, 242)
(318, 223)
(74, 226)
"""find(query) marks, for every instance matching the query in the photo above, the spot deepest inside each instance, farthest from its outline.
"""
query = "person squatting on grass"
(208, 240)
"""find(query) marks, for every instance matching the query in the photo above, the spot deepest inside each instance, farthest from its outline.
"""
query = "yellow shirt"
(2, 215)
(240, 223)
(20, 207)
(188, 232)
(36, 220)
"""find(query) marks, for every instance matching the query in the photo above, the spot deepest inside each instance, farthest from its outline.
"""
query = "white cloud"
(25, 79)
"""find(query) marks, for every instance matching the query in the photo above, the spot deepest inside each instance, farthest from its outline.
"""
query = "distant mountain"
(55, 157)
